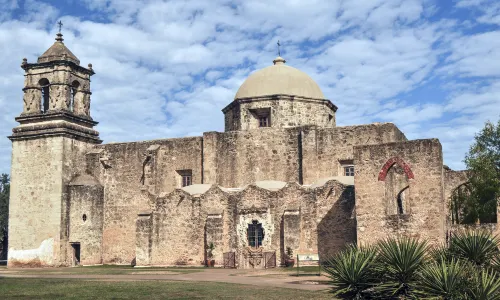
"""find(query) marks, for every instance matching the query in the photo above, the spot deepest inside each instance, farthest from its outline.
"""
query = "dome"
(279, 79)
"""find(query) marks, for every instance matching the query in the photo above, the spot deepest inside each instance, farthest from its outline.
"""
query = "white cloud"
(167, 69)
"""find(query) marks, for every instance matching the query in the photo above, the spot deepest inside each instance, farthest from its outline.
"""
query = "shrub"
(444, 279)
(399, 261)
(479, 246)
(485, 285)
(352, 271)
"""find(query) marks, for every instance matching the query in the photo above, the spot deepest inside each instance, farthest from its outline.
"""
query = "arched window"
(74, 89)
(255, 234)
(401, 200)
(396, 191)
(45, 86)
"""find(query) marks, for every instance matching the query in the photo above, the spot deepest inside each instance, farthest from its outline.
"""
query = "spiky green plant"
(444, 279)
(352, 271)
(485, 286)
(439, 254)
(476, 246)
(398, 263)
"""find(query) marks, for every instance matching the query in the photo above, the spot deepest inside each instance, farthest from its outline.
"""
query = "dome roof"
(279, 79)
(58, 51)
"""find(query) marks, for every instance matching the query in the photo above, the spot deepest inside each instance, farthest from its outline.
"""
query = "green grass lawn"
(31, 288)
(106, 270)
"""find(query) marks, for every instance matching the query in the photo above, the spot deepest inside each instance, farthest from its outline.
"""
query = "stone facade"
(282, 175)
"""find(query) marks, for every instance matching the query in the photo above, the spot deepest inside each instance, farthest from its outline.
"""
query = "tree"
(4, 209)
(483, 164)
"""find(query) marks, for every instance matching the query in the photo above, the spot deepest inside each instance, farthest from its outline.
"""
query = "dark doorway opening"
(76, 253)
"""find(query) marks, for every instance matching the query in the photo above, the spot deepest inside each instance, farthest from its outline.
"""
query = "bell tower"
(48, 147)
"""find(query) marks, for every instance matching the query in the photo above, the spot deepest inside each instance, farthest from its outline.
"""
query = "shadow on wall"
(337, 229)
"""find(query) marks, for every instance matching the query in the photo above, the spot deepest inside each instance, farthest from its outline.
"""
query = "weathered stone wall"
(41, 169)
(86, 209)
(424, 217)
(309, 220)
(243, 157)
(325, 150)
(124, 169)
(285, 111)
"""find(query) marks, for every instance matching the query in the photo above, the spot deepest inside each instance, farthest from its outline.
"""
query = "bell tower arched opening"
(45, 88)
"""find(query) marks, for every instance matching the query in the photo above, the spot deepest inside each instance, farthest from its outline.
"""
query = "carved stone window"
(255, 234)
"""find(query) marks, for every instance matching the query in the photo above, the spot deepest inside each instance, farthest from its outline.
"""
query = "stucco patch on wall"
(41, 256)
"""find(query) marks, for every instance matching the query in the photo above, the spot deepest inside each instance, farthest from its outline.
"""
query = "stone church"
(281, 175)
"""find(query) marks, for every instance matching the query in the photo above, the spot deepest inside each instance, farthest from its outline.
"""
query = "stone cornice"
(280, 97)
(27, 66)
(56, 115)
(65, 132)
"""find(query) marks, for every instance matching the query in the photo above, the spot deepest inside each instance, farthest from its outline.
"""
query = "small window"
(187, 180)
(348, 170)
(263, 121)
(84, 217)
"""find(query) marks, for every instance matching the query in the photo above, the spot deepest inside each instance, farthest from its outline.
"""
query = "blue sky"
(167, 68)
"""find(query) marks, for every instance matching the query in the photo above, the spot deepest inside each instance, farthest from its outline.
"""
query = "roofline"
(280, 97)
(28, 66)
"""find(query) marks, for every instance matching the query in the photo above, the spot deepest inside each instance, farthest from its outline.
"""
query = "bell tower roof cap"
(58, 51)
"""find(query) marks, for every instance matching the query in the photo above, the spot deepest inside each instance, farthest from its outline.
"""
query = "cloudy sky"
(167, 68)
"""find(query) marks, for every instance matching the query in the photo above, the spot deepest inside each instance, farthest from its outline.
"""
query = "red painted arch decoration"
(395, 160)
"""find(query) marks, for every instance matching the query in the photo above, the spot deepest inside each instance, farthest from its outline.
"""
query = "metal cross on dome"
(279, 52)
(60, 25)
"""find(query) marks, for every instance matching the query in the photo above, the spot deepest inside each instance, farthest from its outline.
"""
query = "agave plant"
(444, 279)
(351, 271)
(477, 246)
(440, 254)
(486, 285)
(398, 263)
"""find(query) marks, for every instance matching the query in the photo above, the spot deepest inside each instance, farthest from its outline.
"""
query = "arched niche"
(396, 175)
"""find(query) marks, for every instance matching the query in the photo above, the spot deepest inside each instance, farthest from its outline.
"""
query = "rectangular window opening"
(348, 170)
(185, 177)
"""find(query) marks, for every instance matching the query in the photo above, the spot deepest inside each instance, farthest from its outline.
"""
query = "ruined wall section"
(337, 219)
(125, 169)
(243, 157)
(324, 150)
(424, 216)
(452, 180)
